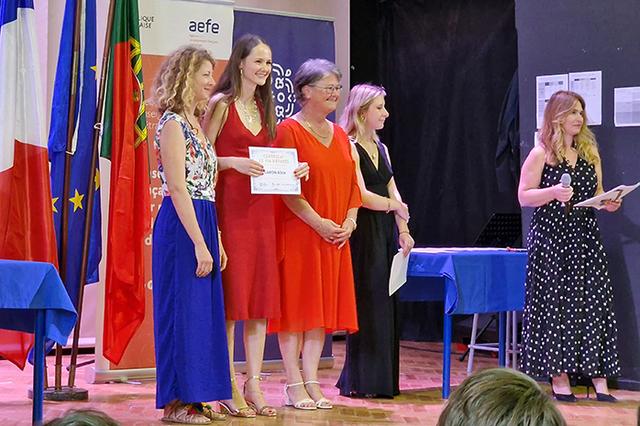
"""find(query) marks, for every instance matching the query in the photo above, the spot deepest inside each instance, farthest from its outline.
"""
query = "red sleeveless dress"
(247, 222)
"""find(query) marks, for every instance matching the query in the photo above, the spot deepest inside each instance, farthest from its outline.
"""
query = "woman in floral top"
(190, 339)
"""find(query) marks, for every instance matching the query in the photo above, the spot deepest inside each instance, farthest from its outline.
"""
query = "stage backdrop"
(165, 25)
(592, 35)
(293, 39)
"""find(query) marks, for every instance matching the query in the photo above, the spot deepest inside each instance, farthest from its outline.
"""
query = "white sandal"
(303, 404)
(322, 403)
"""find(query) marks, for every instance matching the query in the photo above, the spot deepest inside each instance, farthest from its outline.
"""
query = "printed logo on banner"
(283, 93)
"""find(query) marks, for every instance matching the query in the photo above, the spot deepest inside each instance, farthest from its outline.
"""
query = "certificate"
(278, 177)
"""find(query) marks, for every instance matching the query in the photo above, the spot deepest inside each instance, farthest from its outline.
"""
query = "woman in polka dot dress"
(569, 325)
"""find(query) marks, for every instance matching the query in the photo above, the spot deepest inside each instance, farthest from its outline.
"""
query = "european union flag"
(82, 145)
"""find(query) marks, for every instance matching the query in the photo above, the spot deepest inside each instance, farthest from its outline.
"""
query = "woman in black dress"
(569, 327)
(371, 365)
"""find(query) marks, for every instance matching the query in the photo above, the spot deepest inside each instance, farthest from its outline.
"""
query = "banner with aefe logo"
(166, 25)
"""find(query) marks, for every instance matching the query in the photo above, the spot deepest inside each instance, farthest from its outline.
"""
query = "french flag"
(26, 218)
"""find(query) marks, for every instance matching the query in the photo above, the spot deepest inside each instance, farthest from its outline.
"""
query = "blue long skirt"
(192, 361)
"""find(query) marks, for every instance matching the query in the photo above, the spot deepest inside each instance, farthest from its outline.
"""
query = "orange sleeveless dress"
(317, 288)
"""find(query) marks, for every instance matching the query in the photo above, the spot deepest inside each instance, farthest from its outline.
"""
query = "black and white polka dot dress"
(569, 324)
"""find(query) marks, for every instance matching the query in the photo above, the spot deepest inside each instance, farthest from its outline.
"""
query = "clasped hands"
(333, 233)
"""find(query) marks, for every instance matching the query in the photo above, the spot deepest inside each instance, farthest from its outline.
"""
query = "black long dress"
(371, 364)
(569, 325)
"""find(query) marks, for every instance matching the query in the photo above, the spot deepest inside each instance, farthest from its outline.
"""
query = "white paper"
(617, 193)
(398, 275)
(547, 85)
(279, 165)
(626, 106)
(588, 84)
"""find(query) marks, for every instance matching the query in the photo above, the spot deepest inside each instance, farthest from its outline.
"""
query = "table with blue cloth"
(469, 281)
(34, 300)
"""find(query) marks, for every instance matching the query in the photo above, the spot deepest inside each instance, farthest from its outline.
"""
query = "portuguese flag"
(124, 141)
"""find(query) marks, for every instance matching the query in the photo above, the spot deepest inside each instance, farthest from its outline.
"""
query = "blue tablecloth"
(34, 300)
(469, 281)
(29, 286)
(476, 280)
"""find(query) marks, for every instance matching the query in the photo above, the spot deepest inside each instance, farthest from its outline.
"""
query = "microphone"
(565, 181)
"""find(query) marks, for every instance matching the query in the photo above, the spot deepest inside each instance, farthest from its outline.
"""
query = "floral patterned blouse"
(201, 164)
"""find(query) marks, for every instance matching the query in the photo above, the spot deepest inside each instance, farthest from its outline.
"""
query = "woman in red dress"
(317, 290)
(241, 114)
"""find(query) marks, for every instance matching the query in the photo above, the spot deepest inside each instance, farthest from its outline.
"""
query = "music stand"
(502, 230)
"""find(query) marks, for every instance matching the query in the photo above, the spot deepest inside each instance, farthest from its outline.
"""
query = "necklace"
(310, 127)
(193, 129)
(373, 154)
(249, 113)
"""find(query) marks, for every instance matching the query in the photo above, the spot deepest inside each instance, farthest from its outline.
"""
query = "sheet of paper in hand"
(616, 194)
(278, 177)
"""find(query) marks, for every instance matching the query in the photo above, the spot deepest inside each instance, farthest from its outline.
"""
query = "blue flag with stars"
(82, 143)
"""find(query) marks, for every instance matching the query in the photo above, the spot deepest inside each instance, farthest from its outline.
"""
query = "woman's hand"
(612, 205)
(347, 228)
(562, 193)
(302, 171)
(223, 256)
(247, 166)
(204, 259)
(328, 230)
(406, 243)
(401, 209)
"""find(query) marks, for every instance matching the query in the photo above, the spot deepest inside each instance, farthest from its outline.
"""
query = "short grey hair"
(310, 71)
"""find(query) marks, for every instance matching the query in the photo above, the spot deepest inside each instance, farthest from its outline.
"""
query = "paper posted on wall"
(398, 275)
(616, 194)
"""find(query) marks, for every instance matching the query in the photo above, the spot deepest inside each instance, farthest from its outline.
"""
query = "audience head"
(318, 77)
(563, 107)
(83, 418)
(251, 62)
(500, 397)
(185, 79)
(365, 111)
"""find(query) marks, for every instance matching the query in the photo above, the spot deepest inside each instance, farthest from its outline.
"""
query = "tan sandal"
(186, 414)
(322, 403)
(303, 404)
(244, 412)
(208, 411)
(265, 410)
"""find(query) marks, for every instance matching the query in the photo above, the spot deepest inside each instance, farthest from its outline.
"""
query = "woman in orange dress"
(317, 289)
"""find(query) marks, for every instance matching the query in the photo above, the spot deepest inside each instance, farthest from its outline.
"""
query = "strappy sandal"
(265, 410)
(186, 414)
(244, 412)
(322, 403)
(208, 411)
(303, 404)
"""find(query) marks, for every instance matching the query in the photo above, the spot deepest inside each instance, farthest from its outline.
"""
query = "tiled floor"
(419, 403)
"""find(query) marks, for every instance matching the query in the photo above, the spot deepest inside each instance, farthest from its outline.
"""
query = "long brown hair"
(230, 82)
(552, 134)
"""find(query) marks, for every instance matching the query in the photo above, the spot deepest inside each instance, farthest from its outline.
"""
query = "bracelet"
(388, 205)
(403, 232)
(355, 224)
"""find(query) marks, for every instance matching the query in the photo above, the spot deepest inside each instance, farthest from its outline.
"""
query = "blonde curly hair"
(173, 84)
(551, 135)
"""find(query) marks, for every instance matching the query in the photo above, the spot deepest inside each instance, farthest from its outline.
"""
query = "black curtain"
(447, 66)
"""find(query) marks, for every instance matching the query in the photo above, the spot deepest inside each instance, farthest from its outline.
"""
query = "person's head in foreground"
(500, 397)
(83, 418)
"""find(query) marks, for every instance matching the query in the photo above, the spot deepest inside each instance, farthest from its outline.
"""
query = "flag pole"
(97, 128)
(67, 173)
